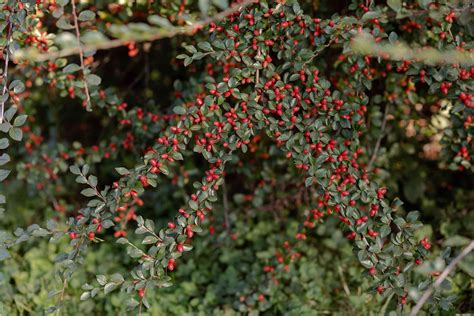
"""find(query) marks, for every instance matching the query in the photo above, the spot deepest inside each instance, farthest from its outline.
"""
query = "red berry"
(144, 181)
(91, 235)
(171, 265)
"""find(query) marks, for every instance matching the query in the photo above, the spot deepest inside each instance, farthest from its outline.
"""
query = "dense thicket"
(205, 157)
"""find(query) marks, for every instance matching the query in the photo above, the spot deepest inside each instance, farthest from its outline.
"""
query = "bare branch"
(81, 54)
(6, 55)
(365, 44)
(379, 139)
(226, 207)
(343, 280)
(441, 278)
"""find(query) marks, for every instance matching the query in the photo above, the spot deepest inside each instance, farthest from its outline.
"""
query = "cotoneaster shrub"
(289, 122)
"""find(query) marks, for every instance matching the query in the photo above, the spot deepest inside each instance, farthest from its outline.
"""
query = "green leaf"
(117, 278)
(221, 4)
(17, 86)
(4, 254)
(149, 240)
(203, 6)
(10, 112)
(180, 110)
(400, 222)
(40, 232)
(89, 192)
(15, 133)
(71, 68)
(109, 287)
(101, 279)
(424, 3)
(370, 16)
(393, 37)
(5, 127)
(20, 120)
(4, 158)
(367, 263)
(413, 216)
(205, 46)
(4, 143)
(396, 5)
(64, 24)
(86, 15)
(396, 203)
(187, 61)
(159, 21)
(92, 180)
(165, 170)
(75, 169)
(122, 171)
(85, 296)
(193, 205)
(4, 174)
(150, 224)
(93, 80)
(122, 241)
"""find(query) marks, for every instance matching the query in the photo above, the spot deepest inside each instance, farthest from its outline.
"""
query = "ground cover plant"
(205, 157)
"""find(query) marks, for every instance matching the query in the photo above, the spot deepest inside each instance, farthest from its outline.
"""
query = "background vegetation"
(264, 248)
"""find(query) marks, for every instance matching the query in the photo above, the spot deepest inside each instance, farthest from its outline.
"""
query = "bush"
(253, 157)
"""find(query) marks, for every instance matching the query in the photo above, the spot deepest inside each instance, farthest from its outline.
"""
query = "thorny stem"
(81, 54)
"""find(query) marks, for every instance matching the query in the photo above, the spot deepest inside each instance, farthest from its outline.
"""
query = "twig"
(316, 53)
(379, 139)
(365, 44)
(140, 305)
(226, 206)
(61, 299)
(343, 280)
(81, 54)
(6, 50)
(187, 30)
(441, 278)
(257, 74)
(387, 302)
(65, 282)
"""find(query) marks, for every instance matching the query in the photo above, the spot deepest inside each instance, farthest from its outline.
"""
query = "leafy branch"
(365, 44)
(168, 32)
